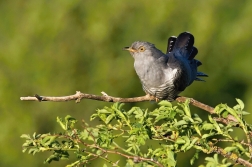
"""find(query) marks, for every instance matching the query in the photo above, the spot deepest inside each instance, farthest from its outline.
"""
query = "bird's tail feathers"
(184, 44)
(198, 63)
(171, 43)
(199, 79)
(193, 53)
(200, 74)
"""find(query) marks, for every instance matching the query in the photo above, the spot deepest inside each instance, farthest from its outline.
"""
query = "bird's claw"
(151, 97)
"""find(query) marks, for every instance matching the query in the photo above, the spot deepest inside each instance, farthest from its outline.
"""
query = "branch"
(232, 157)
(78, 96)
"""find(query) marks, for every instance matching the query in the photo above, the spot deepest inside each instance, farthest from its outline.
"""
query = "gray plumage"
(166, 75)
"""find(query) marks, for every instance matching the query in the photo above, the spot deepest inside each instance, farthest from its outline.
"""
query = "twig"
(95, 145)
(79, 96)
(197, 104)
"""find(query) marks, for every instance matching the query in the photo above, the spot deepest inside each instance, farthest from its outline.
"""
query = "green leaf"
(33, 151)
(84, 134)
(207, 135)
(210, 159)
(52, 158)
(180, 141)
(181, 122)
(26, 136)
(165, 103)
(240, 102)
(207, 126)
(180, 112)
(103, 111)
(109, 118)
(196, 118)
(230, 149)
(188, 119)
(132, 110)
(93, 116)
(24, 150)
(120, 105)
(224, 114)
(219, 108)
(192, 144)
(69, 118)
(186, 108)
(59, 120)
(240, 147)
(160, 117)
(187, 143)
(120, 114)
(216, 158)
(48, 140)
(245, 113)
(196, 127)
(195, 156)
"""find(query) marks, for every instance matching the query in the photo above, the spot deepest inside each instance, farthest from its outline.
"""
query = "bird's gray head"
(141, 49)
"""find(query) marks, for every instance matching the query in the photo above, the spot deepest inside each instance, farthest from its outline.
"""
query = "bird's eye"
(141, 49)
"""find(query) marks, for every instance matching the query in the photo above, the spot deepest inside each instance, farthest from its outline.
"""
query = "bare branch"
(78, 96)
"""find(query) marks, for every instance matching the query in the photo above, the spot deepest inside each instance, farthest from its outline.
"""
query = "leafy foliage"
(175, 129)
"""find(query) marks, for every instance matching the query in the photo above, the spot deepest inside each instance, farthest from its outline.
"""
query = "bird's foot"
(152, 97)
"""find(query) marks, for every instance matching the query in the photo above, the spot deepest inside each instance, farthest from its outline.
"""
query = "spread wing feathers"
(170, 45)
(184, 44)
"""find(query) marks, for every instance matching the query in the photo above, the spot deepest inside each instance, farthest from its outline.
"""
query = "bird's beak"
(129, 49)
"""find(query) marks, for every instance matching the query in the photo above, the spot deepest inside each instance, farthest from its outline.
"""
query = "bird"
(165, 75)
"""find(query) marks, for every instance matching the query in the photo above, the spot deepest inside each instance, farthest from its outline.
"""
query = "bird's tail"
(200, 74)
(171, 43)
(184, 45)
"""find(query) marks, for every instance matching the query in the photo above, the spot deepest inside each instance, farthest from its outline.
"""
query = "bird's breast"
(150, 74)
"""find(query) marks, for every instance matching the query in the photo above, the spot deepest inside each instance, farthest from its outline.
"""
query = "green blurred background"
(57, 47)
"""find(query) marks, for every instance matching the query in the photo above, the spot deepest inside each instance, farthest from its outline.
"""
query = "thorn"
(116, 163)
(110, 99)
(104, 94)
